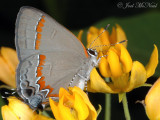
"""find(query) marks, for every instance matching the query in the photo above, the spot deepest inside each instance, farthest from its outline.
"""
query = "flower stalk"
(125, 107)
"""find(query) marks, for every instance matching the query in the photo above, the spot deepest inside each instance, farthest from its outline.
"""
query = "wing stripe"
(41, 81)
(39, 30)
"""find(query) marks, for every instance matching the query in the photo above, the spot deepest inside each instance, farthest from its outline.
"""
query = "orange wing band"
(39, 30)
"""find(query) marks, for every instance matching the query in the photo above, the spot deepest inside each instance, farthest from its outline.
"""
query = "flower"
(17, 110)
(125, 74)
(8, 64)
(152, 102)
(73, 105)
(117, 35)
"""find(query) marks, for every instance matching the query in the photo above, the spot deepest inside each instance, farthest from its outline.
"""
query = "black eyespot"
(29, 92)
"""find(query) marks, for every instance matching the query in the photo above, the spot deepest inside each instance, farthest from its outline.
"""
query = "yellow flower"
(8, 64)
(17, 110)
(125, 74)
(152, 102)
(117, 35)
(73, 105)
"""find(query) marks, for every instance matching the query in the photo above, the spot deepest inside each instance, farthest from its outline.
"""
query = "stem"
(125, 107)
(108, 107)
(107, 104)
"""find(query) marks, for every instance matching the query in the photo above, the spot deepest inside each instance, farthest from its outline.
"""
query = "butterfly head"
(93, 55)
(92, 52)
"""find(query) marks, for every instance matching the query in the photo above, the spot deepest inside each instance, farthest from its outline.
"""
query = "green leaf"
(142, 31)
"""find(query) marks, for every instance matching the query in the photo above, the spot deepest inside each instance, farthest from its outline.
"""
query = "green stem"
(125, 107)
(107, 104)
(108, 107)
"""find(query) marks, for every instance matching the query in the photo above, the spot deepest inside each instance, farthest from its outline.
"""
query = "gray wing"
(37, 34)
(35, 28)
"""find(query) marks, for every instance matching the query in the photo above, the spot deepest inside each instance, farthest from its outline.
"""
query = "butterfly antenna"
(110, 44)
(100, 34)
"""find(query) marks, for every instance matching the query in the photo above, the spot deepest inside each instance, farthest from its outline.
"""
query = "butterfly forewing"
(49, 54)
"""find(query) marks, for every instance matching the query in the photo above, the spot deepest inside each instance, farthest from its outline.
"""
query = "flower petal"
(41, 117)
(81, 107)
(92, 111)
(125, 58)
(55, 109)
(121, 35)
(119, 84)
(114, 63)
(113, 36)
(91, 36)
(6, 75)
(8, 64)
(153, 62)
(65, 111)
(104, 67)
(8, 114)
(152, 102)
(104, 39)
(17, 107)
(10, 57)
(80, 35)
(138, 76)
(97, 84)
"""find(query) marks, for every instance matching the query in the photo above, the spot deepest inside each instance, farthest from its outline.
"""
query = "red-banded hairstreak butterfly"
(50, 57)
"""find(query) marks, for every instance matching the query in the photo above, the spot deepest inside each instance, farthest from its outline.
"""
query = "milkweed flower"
(152, 102)
(73, 105)
(17, 110)
(117, 63)
(8, 65)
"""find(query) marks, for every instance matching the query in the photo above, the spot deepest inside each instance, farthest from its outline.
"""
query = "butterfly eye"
(92, 52)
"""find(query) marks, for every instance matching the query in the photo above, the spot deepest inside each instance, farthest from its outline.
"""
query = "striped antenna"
(100, 34)
(110, 44)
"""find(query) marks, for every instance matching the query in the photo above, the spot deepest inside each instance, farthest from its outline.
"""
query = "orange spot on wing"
(37, 44)
(41, 60)
(42, 57)
(39, 30)
(41, 82)
(39, 71)
(40, 24)
(50, 90)
(42, 19)
(39, 36)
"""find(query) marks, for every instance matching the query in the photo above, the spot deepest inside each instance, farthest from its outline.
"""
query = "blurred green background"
(139, 19)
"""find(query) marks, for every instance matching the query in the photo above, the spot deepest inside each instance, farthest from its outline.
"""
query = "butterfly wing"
(49, 54)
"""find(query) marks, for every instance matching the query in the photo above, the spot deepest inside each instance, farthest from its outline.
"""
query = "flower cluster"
(117, 63)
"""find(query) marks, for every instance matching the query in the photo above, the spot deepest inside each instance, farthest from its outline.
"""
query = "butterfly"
(49, 56)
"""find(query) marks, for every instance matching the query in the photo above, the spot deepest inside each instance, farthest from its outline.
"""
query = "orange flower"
(17, 110)
(8, 64)
(73, 105)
